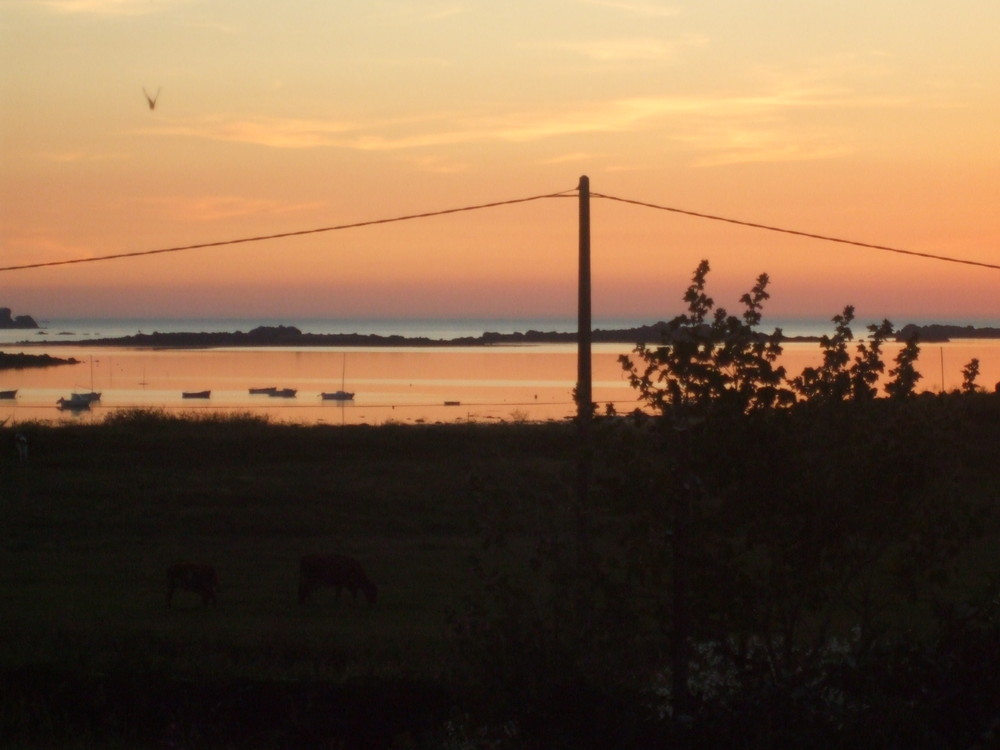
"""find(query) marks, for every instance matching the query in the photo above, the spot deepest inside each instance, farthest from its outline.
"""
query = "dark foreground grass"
(876, 527)
(95, 515)
(90, 522)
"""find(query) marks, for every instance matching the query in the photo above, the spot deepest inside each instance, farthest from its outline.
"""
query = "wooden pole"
(584, 397)
(583, 403)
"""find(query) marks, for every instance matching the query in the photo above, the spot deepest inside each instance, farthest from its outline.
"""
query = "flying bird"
(151, 99)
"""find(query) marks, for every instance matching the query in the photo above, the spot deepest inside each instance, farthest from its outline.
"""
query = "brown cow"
(198, 578)
(337, 571)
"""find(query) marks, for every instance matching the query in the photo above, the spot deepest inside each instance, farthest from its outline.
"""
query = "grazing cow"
(337, 571)
(198, 578)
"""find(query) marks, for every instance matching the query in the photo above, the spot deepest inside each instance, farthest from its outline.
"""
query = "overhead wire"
(796, 232)
(282, 235)
(495, 204)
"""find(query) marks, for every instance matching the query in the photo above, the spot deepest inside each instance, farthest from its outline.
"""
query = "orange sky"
(865, 119)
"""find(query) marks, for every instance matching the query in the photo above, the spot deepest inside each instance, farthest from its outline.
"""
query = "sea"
(405, 384)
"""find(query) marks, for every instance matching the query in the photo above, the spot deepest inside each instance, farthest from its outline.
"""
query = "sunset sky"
(872, 120)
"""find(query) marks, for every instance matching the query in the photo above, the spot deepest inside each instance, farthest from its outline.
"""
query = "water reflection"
(407, 385)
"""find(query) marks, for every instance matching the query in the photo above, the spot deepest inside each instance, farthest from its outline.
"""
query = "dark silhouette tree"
(868, 365)
(831, 380)
(904, 375)
(709, 360)
(969, 374)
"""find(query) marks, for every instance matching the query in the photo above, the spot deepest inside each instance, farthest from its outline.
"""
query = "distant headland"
(938, 333)
(21, 321)
(22, 361)
(284, 335)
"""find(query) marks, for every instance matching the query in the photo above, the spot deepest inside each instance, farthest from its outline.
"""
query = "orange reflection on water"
(408, 385)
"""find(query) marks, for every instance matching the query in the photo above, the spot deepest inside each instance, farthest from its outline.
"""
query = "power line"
(810, 235)
(444, 212)
(282, 235)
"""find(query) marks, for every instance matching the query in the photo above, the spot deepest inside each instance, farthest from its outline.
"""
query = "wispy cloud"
(628, 49)
(261, 131)
(111, 7)
(446, 11)
(570, 158)
(720, 128)
(438, 164)
(748, 145)
(26, 245)
(636, 7)
(73, 157)
(206, 208)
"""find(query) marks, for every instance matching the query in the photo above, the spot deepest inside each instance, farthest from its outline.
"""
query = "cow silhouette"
(334, 571)
(198, 578)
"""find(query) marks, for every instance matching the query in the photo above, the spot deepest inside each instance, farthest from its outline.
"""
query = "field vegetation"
(754, 560)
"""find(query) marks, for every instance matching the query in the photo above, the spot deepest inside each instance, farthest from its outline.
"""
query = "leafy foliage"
(969, 374)
(761, 546)
(712, 360)
(904, 374)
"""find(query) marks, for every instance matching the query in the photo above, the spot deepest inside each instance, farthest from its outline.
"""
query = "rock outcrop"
(21, 321)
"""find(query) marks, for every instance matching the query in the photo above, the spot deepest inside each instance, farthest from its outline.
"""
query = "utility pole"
(584, 408)
(584, 396)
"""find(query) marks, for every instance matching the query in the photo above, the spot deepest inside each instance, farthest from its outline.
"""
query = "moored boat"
(76, 402)
(196, 394)
(341, 394)
(8, 394)
(337, 396)
(263, 391)
(283, 392)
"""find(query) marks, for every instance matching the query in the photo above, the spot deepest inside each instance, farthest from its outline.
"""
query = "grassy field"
(92, 519)
(91, 656)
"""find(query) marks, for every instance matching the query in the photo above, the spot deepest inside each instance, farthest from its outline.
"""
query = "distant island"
(21, 361)
(291, 336)
(282, 335)
(21, 321)
(938, 333)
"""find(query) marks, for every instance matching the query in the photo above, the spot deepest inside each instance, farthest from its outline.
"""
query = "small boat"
(76, 402)
(92, 395)
(340, 395)
(452, 403)
(263, 391)
(337, 396)
(196, 394)
(8, 394)
(283, 393)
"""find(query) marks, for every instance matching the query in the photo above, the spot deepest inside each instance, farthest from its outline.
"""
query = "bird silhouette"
(151, 99)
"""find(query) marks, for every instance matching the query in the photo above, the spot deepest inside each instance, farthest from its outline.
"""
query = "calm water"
(405, 385)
